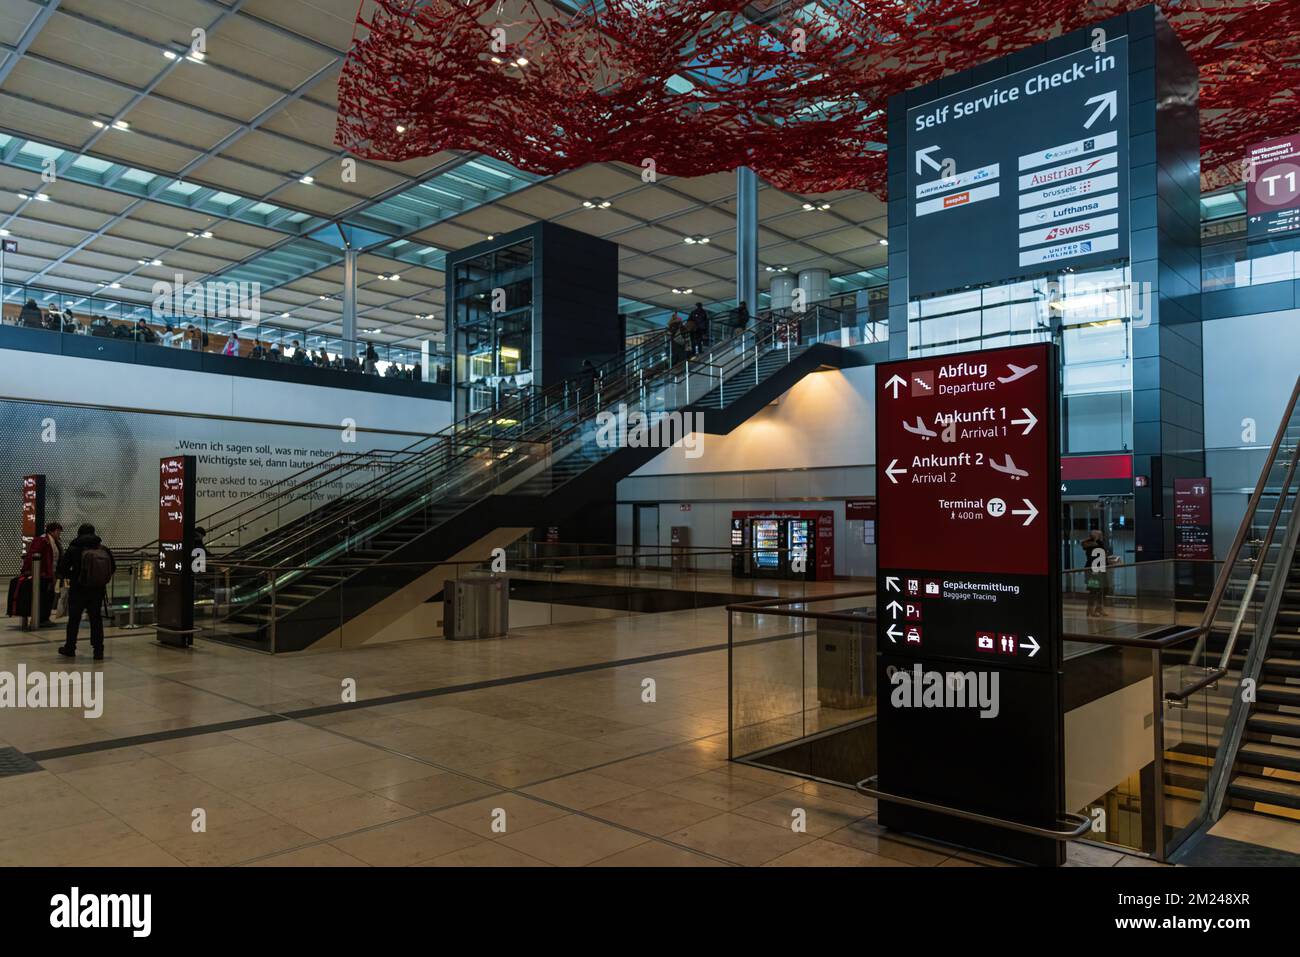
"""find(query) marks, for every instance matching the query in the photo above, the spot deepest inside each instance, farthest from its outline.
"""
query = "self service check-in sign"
(1020, 176)
(965, 473)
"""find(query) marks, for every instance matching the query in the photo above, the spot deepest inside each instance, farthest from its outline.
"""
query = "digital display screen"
(33, 508)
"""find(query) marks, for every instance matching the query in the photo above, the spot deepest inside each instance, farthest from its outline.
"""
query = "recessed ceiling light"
(284, 315)
(195, 56)
(97, 124)
(522, 61)
(884, 242)
(306, 180)
(394, 277)
(496, 59)
(121, 125)
(400, 128)
(597, 203)
(115, 285)
(824, 206)
(4, 232)
(490, 236)
(169, 54)
(808, 206)
(324, 297)
(155, 262)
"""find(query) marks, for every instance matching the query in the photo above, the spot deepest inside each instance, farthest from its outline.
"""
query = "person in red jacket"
(49, 549)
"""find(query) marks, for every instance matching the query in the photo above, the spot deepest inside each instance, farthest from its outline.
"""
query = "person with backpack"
(88, 566)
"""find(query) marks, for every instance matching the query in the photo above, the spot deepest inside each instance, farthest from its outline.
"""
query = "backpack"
(96, 567)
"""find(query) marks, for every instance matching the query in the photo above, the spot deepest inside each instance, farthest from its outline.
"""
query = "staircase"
(291, 571)
(1245, 754)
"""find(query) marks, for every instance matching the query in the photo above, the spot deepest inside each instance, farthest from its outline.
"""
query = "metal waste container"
(846, 678)
(476, 606)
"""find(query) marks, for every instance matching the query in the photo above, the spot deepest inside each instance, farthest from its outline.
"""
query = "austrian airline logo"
(1064, 172)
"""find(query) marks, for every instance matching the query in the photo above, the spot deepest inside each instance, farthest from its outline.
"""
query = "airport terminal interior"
(649, 433)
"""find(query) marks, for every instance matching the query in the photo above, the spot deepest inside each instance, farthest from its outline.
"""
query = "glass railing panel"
(1112, 775)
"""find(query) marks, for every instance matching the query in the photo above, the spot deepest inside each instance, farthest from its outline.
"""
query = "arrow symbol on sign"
(893, 633)
(891, 471)
(923, 156)
(1028, 423)
(894, 382)
(1031, 644)
(1030, 512)
(891, 584)
(894, 607)
(1106, 102)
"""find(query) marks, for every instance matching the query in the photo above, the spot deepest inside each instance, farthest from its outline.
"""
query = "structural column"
(747, 238)
(349, 294)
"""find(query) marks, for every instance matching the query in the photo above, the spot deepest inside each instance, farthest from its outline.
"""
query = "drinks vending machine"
(773, 544)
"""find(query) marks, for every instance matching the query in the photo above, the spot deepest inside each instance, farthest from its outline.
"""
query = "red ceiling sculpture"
(798, 93)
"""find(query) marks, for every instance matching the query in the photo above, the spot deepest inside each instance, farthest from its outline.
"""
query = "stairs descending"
(1266, 778)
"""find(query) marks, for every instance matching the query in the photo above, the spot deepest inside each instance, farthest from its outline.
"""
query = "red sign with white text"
(1193, 519)
(1273, 188)
(960, 449)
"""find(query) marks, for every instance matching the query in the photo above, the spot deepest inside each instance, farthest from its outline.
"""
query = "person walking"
(697, 324)
(47, 548)
(88, 566)
(1097, 579)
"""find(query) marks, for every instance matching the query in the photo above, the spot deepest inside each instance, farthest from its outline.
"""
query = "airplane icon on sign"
(1009, 467)
(1017, 372)
(921, 429)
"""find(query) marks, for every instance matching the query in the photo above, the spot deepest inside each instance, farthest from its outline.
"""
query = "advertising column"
(33, 509)
(968, 597)
(174, 601)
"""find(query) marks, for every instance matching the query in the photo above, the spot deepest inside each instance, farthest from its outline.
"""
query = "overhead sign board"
(1020, 176)
(1273, 188)
(968, 590)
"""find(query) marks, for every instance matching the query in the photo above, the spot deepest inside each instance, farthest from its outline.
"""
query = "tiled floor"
(572, 768)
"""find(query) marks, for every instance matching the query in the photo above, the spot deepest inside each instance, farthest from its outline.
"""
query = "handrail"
(1077, 825)
(1234, 552)
(1221, 583)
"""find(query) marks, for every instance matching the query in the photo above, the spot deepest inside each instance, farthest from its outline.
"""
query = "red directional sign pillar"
(968, 596)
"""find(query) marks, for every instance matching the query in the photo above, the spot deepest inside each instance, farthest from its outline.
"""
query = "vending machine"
(739, 547)
(772, 544)
(769, 554)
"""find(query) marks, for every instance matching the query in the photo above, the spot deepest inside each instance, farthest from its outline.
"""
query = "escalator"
(363, 530)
